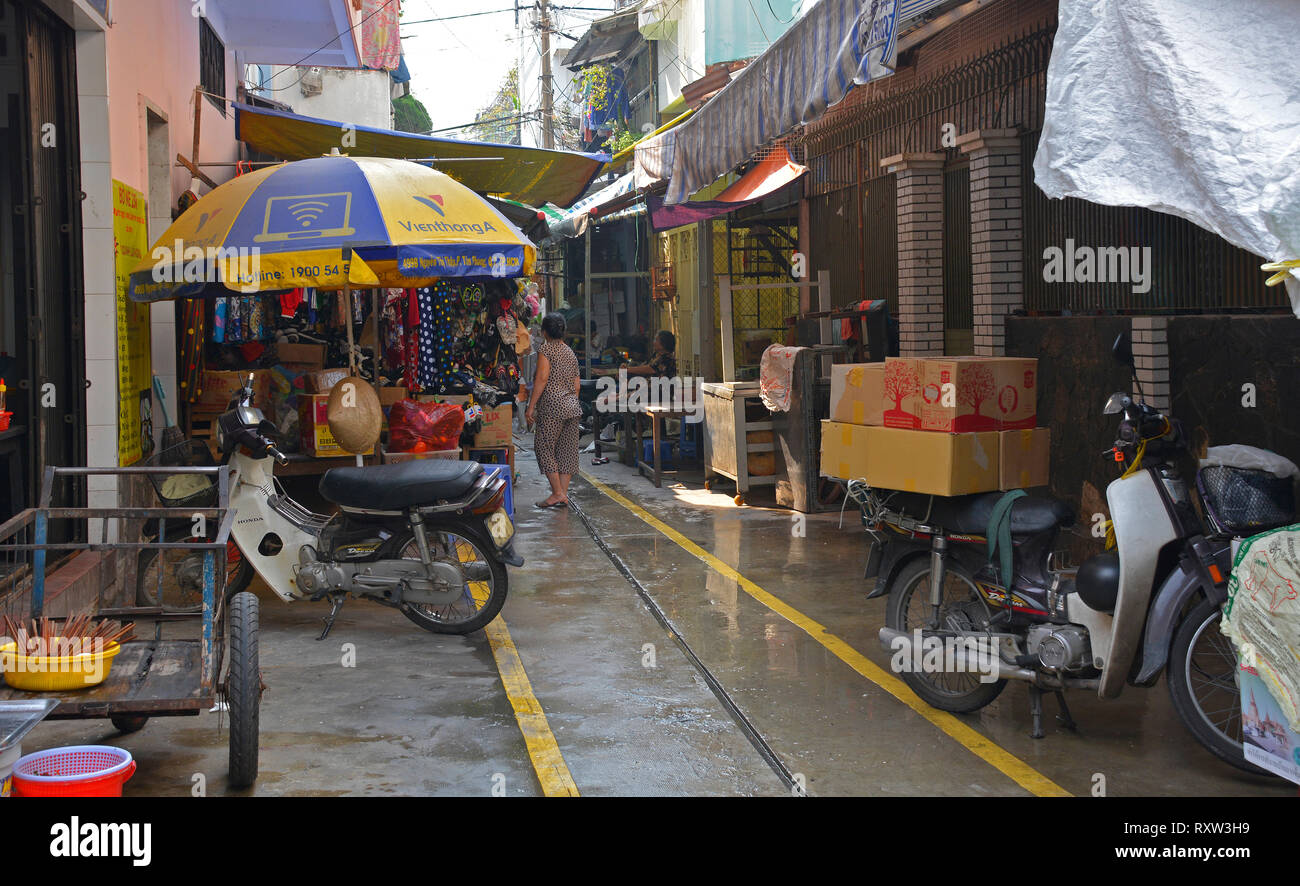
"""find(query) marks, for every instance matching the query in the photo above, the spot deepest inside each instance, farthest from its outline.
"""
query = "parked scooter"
(430, 538)
(1149, 605)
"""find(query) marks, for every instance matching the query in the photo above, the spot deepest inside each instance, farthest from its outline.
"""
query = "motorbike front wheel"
(1203, 685)
(179, 588)
(485, 581)
(909, 609)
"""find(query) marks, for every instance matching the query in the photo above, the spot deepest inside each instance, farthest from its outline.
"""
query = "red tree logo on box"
(901, 381)
(977, 386)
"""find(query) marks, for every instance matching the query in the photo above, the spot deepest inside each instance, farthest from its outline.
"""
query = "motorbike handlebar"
(276, 454)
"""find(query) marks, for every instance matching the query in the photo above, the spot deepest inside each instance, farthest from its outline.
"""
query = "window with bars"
(212, 65)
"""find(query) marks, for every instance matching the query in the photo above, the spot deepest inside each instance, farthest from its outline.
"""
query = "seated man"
(662, 364)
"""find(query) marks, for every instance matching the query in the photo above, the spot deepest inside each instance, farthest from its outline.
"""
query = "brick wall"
(997, 263)
(920, 252)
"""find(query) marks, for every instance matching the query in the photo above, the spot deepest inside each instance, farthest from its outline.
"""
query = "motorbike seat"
(402, 485)
(969, 514)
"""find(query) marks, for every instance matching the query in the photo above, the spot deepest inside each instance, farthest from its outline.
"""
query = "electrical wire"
(338, 36)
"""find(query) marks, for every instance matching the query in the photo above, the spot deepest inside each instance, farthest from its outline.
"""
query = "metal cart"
(183, 662)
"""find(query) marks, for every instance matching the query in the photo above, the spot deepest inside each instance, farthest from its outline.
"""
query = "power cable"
(338, 36)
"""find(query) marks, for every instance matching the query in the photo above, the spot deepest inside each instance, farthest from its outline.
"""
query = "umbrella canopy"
(330, 222)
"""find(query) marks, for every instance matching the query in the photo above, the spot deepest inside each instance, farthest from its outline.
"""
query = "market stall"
(320, 271)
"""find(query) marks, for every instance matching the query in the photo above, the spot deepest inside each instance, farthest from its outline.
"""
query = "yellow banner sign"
(134, 371)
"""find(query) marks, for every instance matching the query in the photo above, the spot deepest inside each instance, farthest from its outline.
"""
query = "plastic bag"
(424, 427)
(1250, 458)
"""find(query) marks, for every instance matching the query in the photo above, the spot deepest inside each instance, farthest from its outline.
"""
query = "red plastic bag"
(435, 425)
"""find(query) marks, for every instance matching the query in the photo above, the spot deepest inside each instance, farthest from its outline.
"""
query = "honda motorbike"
(1149, 605)
(430, 538)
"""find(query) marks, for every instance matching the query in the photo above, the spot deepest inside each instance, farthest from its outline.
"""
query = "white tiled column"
(1151, 357)
(98, 270)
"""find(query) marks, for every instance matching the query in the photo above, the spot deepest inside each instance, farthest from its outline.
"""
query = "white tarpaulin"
(1189, 107)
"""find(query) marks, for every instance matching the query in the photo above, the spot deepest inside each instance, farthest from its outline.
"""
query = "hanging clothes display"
(435, 364)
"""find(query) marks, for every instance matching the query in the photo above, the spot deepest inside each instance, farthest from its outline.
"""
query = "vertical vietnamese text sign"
(134, 371)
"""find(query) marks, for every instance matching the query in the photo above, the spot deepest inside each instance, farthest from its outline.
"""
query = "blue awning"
(809, 68)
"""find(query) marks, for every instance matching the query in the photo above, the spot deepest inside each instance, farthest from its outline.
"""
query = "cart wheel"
(739, 499)
(128, 723)
(243, 689)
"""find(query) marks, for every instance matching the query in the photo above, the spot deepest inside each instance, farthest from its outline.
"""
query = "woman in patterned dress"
(554, 404)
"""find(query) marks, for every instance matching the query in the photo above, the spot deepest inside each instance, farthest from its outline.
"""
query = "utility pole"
(548, 109)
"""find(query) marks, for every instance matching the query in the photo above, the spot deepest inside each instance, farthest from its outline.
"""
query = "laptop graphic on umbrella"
(309, 216)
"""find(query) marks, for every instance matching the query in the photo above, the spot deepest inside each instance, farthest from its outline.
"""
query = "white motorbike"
(430, 538)
(1150, 604)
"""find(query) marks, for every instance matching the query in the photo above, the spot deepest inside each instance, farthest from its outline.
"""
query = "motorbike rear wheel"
(909, 609)
(1203, 685)
(485, 577)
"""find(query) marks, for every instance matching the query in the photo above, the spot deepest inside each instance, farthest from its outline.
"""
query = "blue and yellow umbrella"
(331, 222)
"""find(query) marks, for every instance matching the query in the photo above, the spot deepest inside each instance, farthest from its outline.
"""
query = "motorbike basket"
(1243, 502)
(184, 490)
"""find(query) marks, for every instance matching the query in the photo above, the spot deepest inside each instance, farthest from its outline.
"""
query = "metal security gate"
(833, 219)
(958, 297)
(1190, 269)
(46, 302)
(880, 240)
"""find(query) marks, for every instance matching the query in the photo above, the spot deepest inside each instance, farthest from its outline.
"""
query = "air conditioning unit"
(311, 84)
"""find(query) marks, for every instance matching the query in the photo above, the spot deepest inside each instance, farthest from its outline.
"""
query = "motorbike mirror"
(1116, 403)
(1122, 350)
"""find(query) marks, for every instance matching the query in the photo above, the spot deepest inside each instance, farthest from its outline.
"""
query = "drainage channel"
(724, 698)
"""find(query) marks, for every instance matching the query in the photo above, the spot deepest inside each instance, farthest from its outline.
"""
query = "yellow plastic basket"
(49, 673)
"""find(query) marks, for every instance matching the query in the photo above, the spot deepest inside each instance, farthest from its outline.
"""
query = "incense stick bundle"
(78, 634)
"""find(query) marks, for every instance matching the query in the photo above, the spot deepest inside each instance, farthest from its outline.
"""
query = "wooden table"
(656, 415)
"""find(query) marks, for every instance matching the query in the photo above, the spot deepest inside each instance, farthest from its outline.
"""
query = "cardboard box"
(962, 394)
(930, 462)
(498, 428)
(217, 389)
(314, 428)
(390, 395)
(322, 381)
(901, 392)
(302, 356)
(1025, 458)
(857, 393)
(844, 450)
(498, 421)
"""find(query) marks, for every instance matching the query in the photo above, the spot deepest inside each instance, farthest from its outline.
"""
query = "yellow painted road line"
(1000, 759)
(544, 753)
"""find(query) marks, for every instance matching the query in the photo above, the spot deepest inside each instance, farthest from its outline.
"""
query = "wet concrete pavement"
(428, 715)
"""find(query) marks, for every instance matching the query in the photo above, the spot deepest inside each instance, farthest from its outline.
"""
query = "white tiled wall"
(97, 234)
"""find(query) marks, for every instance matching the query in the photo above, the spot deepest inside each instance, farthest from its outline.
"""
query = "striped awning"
(837, 44)
(574, 222)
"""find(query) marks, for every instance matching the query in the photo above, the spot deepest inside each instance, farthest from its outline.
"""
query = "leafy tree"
(409, 115)
(500, 118)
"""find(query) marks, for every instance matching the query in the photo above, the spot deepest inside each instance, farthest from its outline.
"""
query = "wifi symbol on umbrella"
(307, 211)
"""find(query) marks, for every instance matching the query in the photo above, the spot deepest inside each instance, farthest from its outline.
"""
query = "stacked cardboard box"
(943, 426)
(314, 428)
